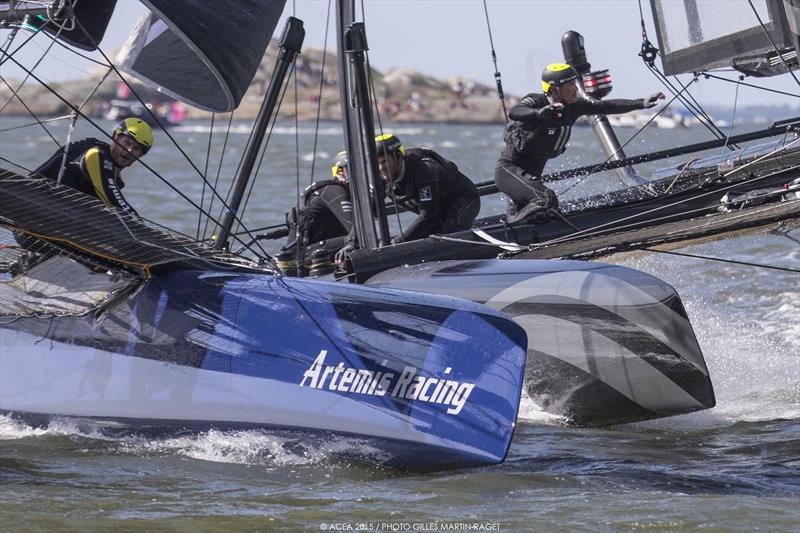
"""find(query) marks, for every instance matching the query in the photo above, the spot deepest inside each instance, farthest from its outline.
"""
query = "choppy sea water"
(732, 468)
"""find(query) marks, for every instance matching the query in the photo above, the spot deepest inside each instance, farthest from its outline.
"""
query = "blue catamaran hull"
(434, 381)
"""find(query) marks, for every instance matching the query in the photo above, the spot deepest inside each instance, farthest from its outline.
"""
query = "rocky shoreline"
(402, 95)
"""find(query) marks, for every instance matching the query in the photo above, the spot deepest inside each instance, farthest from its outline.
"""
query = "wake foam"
(248, 447)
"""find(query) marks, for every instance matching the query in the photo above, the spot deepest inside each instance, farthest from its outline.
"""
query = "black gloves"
(652, 100)
(552, 111)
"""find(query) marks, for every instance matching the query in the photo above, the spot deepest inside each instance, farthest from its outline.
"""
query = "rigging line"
(319, 97)
(133, 91)
(97, 126)
(733, 120)
(774, 46)
(16, 164)
(10, 39)
(766, 89)
(497, 77)
(697, 112)
(30, 111)
(75, 52)
(29, 124)
(296, 131)
(595, 229)
(263, 228)
(153, 115)
(380, 128)
(238, 168)
(266, 145)
(640, 130)
(663, 79)
(696, 105)
(599, 230)
(703, 111)
(219, 170)
(731, 261)
(34, 32)
(205, 171)
(751, 180)
(71, 128)
(28, 73)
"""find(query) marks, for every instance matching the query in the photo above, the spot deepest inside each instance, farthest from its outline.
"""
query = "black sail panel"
(91, 20)
(200, 52)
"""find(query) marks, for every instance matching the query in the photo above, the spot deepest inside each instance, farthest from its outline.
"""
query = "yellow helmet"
(340, 161)
(138, 130)
(388, 143)
(557, 74)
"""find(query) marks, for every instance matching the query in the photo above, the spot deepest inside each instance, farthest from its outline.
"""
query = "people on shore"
(539, 130)
(431, 186)
(326, 212)
(94, 167)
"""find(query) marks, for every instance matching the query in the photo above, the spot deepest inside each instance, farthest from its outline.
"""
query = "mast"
(359, 131)
(290, 44)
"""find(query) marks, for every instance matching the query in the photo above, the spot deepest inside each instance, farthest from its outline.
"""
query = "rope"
(266, 144)
(219, 170)
(319, 97)
(28, 74)
(30, 111)
(596, 229)
(733, 120)
(731, 261)
(774, 46)
(740, 82)
(622, 147)
(205, 171)
(497, 77)
(97, 126)
(18, 48)
(35, 123)
(380, 128)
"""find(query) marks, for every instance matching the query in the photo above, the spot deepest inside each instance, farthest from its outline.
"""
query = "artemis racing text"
(408, 385)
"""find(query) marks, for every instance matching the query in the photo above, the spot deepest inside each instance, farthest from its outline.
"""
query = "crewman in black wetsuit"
(327, 212)
(540, 128)
(93, 166)
(427, 184)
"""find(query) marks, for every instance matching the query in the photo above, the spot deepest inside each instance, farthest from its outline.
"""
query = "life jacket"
(312, 190)
(51, 167)
(308, 194)
(547, 139)
(450, 167)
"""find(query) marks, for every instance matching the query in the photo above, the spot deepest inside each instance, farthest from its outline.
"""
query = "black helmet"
(388, 143)
(340, 161)
(556, 75)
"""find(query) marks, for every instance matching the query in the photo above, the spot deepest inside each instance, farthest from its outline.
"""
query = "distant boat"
(157, 113)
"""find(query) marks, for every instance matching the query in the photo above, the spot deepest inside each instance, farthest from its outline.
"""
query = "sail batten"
(202, 53)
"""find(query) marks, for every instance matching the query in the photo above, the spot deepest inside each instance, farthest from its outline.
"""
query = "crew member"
(327, 212)
(540, 128)
(93, 166)
(427, 184)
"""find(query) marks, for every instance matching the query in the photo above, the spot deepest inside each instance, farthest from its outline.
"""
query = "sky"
(447, 38)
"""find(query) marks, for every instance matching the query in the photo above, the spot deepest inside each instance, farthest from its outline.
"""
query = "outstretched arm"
(617, 106)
